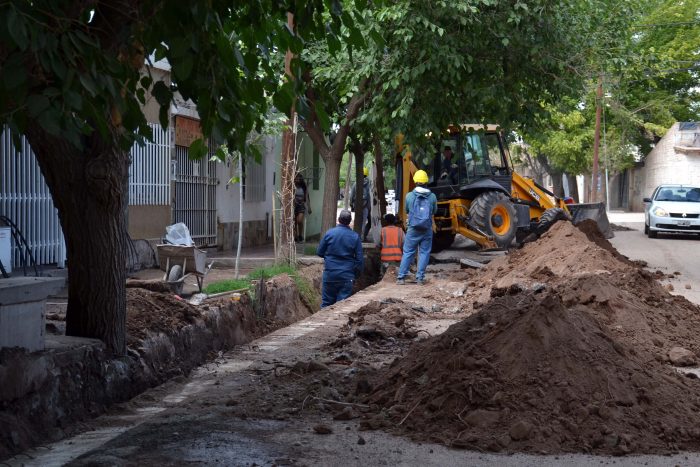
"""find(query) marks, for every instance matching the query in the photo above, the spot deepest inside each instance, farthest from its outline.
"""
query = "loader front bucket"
(594, 211)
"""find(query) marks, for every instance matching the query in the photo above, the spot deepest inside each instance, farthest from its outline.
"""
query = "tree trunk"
(357, 150)
(287, 248)
(240, 214)
(332, 155)
(89, 190)
(379, 163)
(557, 183)
(573, 187)
(331, 189)
(348, 176)
(287, 168)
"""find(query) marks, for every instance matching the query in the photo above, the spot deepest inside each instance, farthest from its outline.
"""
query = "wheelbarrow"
(179, 262)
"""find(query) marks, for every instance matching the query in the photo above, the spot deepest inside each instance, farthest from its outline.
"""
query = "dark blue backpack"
(419, 217)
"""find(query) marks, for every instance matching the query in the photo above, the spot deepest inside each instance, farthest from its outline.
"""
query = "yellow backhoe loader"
(480, 195)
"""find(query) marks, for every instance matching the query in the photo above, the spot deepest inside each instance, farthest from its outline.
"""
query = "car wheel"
(646, 229)
(652, 233)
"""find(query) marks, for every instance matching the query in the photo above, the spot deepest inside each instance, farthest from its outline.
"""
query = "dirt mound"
(593, 233)
(154, 312)
(585, 268)
(563, 252)
(383, 320)
(528, 373)
(637, 309)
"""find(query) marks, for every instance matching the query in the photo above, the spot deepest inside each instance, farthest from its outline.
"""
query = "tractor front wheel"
(494, 214)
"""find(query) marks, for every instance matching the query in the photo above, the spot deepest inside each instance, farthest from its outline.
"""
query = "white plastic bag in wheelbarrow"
(178, 234)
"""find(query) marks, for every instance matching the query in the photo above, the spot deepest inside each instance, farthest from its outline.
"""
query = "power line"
(669, 24)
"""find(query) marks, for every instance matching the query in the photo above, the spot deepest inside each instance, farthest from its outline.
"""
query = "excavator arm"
(539, 199)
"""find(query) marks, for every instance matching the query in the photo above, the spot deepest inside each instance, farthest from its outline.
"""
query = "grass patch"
(268, 272)
(310, 250)
(308, 294)
(226, 285)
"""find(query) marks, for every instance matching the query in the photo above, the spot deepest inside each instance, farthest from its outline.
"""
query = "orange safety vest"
(392, 243)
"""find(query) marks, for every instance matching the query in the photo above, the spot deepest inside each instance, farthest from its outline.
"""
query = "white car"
(672, 208)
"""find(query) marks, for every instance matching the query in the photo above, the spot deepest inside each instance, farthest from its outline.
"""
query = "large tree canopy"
(429, 64)
(647, 56)
(72, 81)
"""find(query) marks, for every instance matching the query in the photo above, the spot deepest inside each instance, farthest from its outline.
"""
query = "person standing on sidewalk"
(391, 243)
(341, 250)
(420, 206)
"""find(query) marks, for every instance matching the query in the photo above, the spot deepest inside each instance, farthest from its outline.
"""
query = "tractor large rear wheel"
(493, 213)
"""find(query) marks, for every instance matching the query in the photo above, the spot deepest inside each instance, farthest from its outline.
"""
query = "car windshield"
(678, 193)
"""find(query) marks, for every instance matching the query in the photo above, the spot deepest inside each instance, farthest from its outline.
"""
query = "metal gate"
(195, 196)
(149, 171)
(26, 200)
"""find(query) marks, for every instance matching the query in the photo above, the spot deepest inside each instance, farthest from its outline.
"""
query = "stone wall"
(43, 394)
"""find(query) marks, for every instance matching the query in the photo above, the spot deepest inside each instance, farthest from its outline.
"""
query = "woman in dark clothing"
(302, 204)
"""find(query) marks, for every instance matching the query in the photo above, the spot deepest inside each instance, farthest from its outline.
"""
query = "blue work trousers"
(335, 291)
(421, 240)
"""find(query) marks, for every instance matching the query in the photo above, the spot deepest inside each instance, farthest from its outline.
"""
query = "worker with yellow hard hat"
(420, 206)
(364, 208)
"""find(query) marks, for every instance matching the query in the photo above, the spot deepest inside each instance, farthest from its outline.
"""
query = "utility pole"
(596, 140)
(288, 164)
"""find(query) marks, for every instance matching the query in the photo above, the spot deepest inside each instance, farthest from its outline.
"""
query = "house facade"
(165, 187)
(675, 160)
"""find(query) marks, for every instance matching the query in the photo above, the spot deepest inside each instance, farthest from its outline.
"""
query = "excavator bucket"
(594, 211)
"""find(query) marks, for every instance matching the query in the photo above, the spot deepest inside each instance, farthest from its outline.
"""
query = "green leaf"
(49, 121)
(322, 117)
(13, 73)
(17, 29)
(198, 149)
(88, 84)
(74, 100)
(164, 116)
(183, 67)
(37, 104)
(162, 93)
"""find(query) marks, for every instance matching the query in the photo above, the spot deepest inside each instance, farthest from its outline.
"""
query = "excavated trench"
(44, 395)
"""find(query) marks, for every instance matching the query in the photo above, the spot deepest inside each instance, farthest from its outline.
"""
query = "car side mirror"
(647, 200)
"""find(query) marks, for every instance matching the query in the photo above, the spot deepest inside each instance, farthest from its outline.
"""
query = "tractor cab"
(457, 164)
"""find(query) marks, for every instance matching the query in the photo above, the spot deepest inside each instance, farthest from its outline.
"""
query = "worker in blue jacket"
(341, 249)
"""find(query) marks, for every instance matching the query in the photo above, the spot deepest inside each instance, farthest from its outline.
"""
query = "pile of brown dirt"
(569, 353)
(527, 373)
(153, 312)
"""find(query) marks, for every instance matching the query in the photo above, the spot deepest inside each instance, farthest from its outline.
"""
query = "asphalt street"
(669, 253)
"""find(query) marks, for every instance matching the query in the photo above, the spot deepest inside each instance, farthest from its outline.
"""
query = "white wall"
(227, 194)
(667, 164)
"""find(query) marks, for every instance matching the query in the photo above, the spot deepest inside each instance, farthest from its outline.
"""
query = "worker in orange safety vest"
(391, 242)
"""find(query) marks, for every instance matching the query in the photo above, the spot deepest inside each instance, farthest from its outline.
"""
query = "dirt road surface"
(670, 253)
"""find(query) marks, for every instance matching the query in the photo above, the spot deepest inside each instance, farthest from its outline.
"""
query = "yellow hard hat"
(420, 177)
(365, 171)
